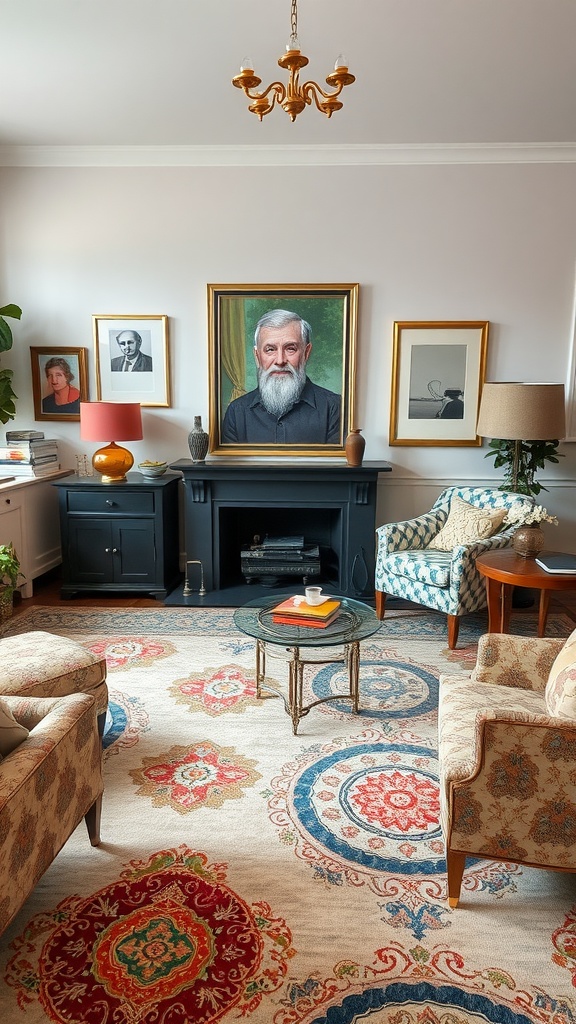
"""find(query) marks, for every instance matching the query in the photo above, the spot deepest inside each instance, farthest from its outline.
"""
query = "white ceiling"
(158, 72)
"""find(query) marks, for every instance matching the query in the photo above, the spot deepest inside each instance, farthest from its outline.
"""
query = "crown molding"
(288, 156)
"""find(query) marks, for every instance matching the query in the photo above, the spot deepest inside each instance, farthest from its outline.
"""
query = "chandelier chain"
(294, 18)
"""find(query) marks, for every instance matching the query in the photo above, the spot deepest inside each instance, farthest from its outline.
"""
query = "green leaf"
(11, 310)
(7, 396)
(5, 336)
(5, 332)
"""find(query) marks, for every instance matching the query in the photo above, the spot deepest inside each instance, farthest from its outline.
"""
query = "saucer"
(312, 604)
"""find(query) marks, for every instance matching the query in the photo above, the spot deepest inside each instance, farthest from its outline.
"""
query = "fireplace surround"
(227, 502)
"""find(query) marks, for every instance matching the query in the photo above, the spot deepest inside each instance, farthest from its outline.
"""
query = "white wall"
(494, 242)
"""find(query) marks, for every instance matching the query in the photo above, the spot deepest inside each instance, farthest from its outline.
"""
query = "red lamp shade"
(121, 420)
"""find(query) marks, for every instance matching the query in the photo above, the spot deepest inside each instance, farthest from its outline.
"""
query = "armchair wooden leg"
(92, 819)
(455, 864)
(380, 603)
(453, 630)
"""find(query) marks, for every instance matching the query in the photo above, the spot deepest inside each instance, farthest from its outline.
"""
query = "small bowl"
(152, 469)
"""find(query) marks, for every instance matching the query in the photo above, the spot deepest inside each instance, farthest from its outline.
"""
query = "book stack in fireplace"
(280, 556)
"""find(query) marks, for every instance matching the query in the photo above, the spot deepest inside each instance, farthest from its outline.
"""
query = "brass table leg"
(353, 660)
(294, 703)
(295, 688)
(260, 666)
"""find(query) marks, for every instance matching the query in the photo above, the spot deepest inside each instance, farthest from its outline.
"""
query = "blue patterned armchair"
(407, 567)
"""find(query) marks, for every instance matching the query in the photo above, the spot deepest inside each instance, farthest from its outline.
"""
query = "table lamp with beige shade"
(120, 420)
(532, 417)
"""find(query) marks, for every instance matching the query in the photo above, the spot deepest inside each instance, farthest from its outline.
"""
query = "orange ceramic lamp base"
(113, 462)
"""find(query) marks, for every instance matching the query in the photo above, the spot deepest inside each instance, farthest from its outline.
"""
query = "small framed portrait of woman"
(59, 382)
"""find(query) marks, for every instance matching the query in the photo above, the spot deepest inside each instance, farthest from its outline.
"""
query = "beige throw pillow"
(560, 690)
(11, 733)
(466, 524)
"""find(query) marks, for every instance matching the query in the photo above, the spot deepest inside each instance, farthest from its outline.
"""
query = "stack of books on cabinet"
(297, 612)
(28, 454)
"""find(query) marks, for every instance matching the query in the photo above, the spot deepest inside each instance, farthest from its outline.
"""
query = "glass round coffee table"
(354, 623)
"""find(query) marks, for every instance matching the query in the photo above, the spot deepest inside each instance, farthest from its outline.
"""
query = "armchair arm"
(519, 803)
(66, 733)
(523, 662)
(29, 711)
(464, 556)
(411, 533)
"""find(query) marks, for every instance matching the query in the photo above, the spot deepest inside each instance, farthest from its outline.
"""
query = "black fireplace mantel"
(228, 501)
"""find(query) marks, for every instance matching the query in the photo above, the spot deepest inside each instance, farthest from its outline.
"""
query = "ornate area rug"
(249, 874)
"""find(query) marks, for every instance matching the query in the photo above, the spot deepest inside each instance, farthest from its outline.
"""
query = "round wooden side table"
(503, 570)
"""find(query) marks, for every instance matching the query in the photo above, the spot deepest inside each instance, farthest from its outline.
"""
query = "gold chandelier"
(293, 97)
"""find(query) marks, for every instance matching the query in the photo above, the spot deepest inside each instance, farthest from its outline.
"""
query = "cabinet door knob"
(108, 551)
(109, 502)
(114, 551)
(7, 501)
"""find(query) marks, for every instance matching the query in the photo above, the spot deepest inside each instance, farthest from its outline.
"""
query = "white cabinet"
(29, 519)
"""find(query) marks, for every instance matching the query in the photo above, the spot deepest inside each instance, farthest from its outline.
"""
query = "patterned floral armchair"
(507, 752)
(49, 781)
(408, 565)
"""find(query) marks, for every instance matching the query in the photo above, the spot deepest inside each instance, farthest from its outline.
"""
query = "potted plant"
(7, 396)
(520, 460)
(9, 577)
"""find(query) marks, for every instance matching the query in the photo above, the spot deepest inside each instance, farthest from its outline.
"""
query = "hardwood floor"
(47, 592)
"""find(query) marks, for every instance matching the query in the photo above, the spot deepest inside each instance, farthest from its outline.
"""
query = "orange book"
(295, 606)
(309, 623)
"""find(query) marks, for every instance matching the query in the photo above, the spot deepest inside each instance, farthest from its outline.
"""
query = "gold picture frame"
(317, 422)
(137, 372)
(59, 381)
(438, 369)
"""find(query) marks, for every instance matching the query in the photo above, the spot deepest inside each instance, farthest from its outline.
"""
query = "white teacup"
(314, 595)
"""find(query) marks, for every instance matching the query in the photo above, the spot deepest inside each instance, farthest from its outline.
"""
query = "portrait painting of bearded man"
(292, 386)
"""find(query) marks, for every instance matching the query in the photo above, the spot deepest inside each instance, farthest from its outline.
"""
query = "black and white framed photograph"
(438, 369)
(132, 363)
(282, 368)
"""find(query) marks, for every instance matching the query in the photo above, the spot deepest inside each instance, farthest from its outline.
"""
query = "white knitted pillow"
(11, 733)
(466, 524)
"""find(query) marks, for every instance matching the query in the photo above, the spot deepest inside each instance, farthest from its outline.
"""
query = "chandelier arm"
(277, 87)
(312, 91)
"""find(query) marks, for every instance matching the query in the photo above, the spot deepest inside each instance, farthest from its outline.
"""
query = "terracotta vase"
(198, 441)
(354, 446)
(528, 541)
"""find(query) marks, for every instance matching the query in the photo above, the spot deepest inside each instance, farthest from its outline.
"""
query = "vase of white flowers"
(528, 540)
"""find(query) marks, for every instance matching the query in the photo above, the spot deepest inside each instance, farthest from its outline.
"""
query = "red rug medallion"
(168, 942)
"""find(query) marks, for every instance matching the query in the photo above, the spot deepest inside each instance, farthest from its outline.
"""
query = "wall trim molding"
(289, 156)
(395, 480)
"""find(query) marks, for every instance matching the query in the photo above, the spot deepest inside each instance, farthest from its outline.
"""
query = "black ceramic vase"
(198, 441)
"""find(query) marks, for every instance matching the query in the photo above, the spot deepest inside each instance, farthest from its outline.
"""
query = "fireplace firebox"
(228, 502)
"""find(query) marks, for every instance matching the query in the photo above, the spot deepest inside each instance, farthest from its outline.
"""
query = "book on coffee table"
(295, 611)
(307, 621)
(557, 561)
